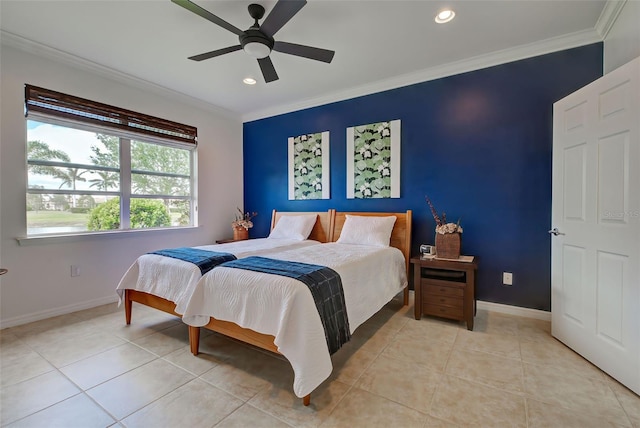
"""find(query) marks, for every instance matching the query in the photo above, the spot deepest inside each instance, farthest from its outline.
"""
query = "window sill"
(88, 236)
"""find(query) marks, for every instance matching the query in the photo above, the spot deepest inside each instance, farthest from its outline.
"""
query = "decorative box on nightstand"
(445, 288)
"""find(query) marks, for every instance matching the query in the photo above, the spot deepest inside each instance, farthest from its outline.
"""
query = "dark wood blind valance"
(65, 106)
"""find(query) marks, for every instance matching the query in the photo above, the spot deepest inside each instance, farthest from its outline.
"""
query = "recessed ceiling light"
(445, 16)
(249, 81)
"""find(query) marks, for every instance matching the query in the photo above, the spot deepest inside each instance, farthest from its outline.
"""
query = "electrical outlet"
(75, 270)
(507, 278)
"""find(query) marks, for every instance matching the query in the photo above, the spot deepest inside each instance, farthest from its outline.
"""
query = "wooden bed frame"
(400, 235)
(400, 238)
(322, 232)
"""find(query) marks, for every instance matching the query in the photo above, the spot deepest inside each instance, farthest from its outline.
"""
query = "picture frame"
(309, 166)
(373, 160)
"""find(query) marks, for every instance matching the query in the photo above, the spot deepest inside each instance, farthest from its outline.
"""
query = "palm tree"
(107, 180)
(38, 150)
(70, 177)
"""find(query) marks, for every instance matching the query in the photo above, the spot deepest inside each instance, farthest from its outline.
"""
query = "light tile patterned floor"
(89, 369)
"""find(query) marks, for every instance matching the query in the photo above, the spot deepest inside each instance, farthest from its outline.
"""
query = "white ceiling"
(378, 44)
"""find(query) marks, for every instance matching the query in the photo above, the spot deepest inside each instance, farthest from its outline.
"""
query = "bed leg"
(306, 400)
(406, 295)
(127, 306)
(194, 339)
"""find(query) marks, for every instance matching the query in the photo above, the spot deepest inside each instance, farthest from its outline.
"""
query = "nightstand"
(445, 288)
(226, 241)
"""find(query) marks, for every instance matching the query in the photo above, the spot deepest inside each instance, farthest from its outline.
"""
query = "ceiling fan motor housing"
(252, 36)
(253, 41)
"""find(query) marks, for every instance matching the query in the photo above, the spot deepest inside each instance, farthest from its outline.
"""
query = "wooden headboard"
(400, 235)
(321, 231)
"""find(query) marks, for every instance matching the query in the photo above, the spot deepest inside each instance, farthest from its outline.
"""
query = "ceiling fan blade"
(192, 7)
(310, 52)
(281, 13)
(268, 70)
(215, 53)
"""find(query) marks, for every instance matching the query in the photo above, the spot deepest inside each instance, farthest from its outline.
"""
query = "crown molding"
(608, 17)
(550, 45)
(29, 46)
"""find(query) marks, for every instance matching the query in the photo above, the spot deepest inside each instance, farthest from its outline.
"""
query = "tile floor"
(88, 369)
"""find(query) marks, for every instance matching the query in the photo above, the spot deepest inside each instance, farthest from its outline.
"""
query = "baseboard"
(24, 319)
(515, 310)
(37, 316)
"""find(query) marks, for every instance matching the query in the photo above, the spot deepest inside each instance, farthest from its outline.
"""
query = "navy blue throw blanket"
(205, 260)
(326, 288)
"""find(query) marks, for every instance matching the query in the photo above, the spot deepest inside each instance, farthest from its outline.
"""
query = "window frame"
(125, 136)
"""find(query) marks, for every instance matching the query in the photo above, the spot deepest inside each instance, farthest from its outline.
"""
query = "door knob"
(555, 232)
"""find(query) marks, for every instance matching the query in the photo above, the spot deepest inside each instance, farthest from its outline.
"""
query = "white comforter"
(174, 279)
(284, 307)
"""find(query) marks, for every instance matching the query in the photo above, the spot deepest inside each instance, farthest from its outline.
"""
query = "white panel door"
(595, 250)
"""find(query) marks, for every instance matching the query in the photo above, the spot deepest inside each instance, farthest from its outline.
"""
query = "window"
(93, 167)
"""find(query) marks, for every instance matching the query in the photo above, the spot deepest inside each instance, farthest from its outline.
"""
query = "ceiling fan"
(258, 40)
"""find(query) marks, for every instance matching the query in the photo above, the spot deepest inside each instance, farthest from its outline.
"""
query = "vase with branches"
(242, 224)
(448, 239)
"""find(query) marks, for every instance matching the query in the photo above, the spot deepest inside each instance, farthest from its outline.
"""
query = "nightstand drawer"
(441, 290)
(442, 311)
(442, 300)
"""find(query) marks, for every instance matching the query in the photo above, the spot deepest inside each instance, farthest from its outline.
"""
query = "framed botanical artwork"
(373, 160)
(309, 166)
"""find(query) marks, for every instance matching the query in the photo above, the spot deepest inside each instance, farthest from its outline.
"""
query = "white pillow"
(365, 230)
(297, 227)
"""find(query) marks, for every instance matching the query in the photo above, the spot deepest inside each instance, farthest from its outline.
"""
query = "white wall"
(622, 43)
(39, 284)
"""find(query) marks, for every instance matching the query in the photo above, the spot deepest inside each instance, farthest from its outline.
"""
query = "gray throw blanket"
(326, 288)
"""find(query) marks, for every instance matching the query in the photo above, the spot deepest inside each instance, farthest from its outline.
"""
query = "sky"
(76, 143)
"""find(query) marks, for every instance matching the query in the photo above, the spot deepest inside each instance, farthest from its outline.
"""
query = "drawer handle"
(443, 310)
(442, 300)
(442, 290)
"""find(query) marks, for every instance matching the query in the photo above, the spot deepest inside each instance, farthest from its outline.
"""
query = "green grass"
(65, 219)
(56, 218)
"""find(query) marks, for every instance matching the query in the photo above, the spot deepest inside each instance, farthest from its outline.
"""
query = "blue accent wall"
(479, 144)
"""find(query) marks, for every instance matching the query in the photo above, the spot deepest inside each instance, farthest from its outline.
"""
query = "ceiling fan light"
(445, 16)
(257, 50)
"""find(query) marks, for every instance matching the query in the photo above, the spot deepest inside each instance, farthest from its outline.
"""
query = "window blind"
(65, 106)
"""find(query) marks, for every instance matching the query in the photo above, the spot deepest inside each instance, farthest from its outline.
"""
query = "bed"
(242, 303)
(166, 283)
